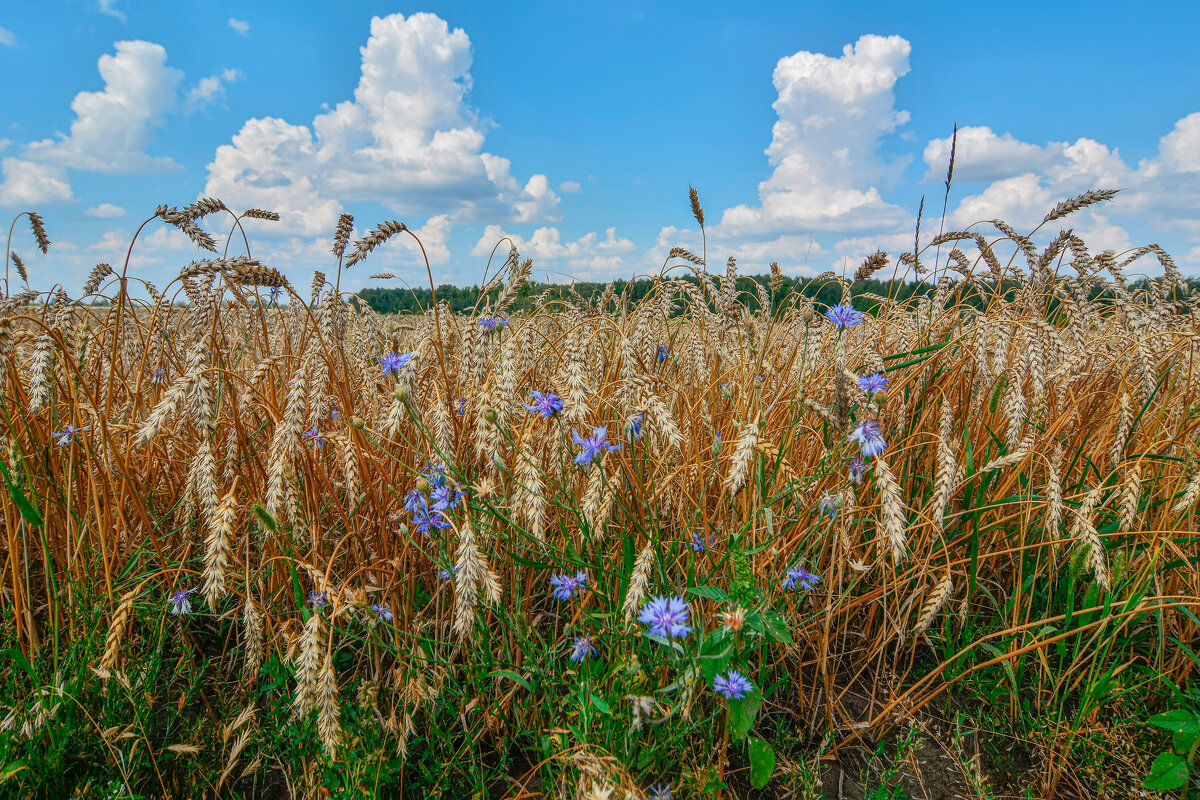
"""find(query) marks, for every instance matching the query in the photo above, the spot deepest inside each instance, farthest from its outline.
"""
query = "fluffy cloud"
(239, 25)
(833, 115)
(105, 211)
(570, 187)
(408, 140)
(210, 90)
(588, 254)
(981, 155)
(109, 8)
(27, 183)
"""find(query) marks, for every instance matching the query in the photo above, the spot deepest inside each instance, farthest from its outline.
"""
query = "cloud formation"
(7, 37)
(239, 25)
(408, 140)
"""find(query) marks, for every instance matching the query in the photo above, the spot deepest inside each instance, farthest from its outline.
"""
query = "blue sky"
(812, 131)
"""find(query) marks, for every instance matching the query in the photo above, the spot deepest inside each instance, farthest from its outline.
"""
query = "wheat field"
(260, 540)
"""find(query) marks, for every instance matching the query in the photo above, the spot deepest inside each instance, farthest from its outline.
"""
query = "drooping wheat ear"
(1190, 493)
(530, 494)
(937, 601)
(252, 638)
(743, 457)
(1084, 531)
(240, 723)
(870, 265)
(1014, 410)
(216, 550)
(350, 470)
(309, 661)
(775, 282)
(162, 413)
(328, 727)
(98, 274)
(258, 275)
(894, 520)
(1131, 494)
(1054, 498)
(947, 467)
(592, 503)
(639, 581)
(697, 211)
(41, 373)
(1015, 457)
(382, 276)
(20, 265)
(575, 380)
(383, 231)
(686, 255)
(39, 231)
(180, 220)
(203, 207)
(1073, 204)
(345, 226)
(472, 573)
(259, 213)
(116, 632)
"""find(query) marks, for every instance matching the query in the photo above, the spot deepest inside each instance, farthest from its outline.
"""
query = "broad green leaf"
(715, 654)
(1178, 720)
(773, 625)
(22, 662)
(27, 509)
(762, 762)
(599, 703)
(1184, 741)
(709, 593)
(742, 714)
(1168, 772)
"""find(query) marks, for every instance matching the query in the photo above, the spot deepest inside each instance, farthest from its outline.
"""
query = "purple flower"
(733, 685)
(593, 446)
(394, 363)
(829, 504)
(663, 353)
(318, 599)
(857, 467)
(661, 791)
(179, 602)
(461, 406)
(447, 574)
(800, 578)
(870, 437)
(844, 315)
(635, 426)
(68, 434)
(666, 616)
(275, 293)
(582, 649)
(874, 383)
(491, 323)
(425, 520)
(312, 435)
(565, 585)
(700, 545)
(384, 612)
(159, 376)
(545, 405)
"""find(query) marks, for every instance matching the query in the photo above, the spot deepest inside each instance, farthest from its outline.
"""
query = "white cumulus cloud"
(239, 25)
(105, 211)
(589, 254)
(408, 140)
(210, 90)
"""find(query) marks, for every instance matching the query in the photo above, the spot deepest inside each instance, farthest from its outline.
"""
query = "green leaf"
(762, 762)
(1169, 772)
(1177, 720)
(22, 662)
(773, 625)
(709, 593)
(742, 714)
(1184, 741)
(715, 654)
(514, 677)
(27, 509)
(599, 703)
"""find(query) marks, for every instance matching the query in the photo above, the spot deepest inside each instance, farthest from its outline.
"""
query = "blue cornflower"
(424, 519)
(312, 435)
(874, 383)
(663, 353)
(700, 544)
(461, 406)
(384, 612)
(565, 585)
(394, 363)
(857, 467)
(447, 574)
(414, 500)
(844, 315)
(829, 504)
(582, 649)
(870, 437)
(159, 376)
(593, 446)
(68, 434)
(491, 323)
(800, 578)
(733, 685)
(317, 599)
(179, 602)
(275, 290)
(666, 616)
(545, 405)
(661, 791)
(635, 426)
